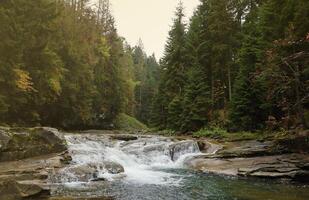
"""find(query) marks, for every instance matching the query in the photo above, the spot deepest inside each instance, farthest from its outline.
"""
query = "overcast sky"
(149, 20)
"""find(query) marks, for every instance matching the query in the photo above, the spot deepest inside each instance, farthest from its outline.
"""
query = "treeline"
(241, 65)
(63, 64)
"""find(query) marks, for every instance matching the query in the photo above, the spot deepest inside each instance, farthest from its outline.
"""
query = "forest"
(63, 64)
(222, 114)
(241, 65)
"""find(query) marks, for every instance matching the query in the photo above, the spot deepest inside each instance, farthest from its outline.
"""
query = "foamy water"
(144, 160)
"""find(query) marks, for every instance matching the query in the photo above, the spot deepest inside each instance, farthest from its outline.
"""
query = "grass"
(128, 123)
(222, 134)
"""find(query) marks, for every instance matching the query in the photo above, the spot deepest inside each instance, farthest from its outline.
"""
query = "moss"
(128, 123)
(167, 133)
(222, 134)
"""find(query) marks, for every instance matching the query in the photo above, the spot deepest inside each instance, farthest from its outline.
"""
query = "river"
(154, 168)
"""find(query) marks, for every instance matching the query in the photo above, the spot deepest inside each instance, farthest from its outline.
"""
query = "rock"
(37, 168)
(66, 158)
(12, 190)
(89, 172)
(108, 166)
(83, 173)
(4, 139)
(124, 137)
(183, 147)
(154, 148)
(203, 145)
(17, 144)
(208, 147)
(81, 198)
(287, 166)
(298, 143)
(98, 179)
(113, 168)
(250, 148)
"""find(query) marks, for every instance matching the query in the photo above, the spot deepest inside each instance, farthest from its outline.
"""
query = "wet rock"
(12, 190)
(98, 179)
(183, 147)
(17, 144)
(154, 148)
(208, 148)
(83, 173)
(81, 198)
(113, 168)
(66, 158)
(89, 172)
(108, 166)
(4, 139)
(203, 145)
(124, 137)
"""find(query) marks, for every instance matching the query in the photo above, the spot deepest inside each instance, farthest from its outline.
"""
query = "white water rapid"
(142, 161)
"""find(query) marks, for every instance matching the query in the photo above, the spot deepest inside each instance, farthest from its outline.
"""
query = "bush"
(212, 132)
(220, 133)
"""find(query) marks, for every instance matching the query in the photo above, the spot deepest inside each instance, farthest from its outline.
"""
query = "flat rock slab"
(31, 168)
(291, 166)
(251, 148)
(12, 190)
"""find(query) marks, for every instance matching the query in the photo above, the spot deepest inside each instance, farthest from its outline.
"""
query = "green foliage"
(222, 134)
(171, 86)
(197, 101)
(212, 132)
(247, 60)
(128, 123)
(63, 64)
(175, 113)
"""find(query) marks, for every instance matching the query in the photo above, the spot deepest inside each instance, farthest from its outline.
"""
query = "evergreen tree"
(247, 108)
(173, 71)
(197, 101)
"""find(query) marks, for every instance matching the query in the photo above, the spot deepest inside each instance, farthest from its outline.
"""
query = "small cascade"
(142, 161)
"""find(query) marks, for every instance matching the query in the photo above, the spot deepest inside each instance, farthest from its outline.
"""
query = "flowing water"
(154, 168)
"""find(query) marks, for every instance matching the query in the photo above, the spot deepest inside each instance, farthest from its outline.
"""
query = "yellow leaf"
(23, 81)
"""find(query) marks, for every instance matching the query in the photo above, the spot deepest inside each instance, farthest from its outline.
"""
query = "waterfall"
(142, 161)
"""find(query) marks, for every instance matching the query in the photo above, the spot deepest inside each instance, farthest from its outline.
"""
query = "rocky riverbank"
(286, 158)
(30, 157)
(27, 156)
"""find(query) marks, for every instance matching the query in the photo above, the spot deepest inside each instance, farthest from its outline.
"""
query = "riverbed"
(154, 167)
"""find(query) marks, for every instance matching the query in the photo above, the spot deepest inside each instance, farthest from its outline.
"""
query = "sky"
(149, 20)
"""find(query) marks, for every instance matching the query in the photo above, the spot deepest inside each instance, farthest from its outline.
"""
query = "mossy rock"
(23, 143)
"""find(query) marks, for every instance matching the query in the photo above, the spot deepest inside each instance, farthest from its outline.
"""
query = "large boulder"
(12, 190)
(17, 144)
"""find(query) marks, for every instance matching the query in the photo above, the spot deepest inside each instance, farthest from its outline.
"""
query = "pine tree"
(197, 101)
(173, 72)
(247, 107)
